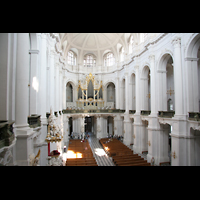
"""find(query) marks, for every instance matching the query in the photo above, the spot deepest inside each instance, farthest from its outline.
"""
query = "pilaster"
(178, 81)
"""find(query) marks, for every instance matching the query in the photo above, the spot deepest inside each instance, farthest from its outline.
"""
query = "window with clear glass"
(89, 61)
(71, 58)
(122, 54)
(131, 44)
(109, 59)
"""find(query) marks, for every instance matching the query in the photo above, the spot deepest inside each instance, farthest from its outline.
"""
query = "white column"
(22, 80)
(60, 89)
(21, 128)
(82, 130)
(137, 89)
(117, 92)
(127, 92)
(178, 74)
(99, 128)
(104, 120)
(153, 86)
(56, 88)
(51, 80)
(34, 81)
(128, 130)
(43, 72)
(192, 92)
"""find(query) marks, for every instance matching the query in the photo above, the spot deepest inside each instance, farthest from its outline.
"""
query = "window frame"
(109, 59)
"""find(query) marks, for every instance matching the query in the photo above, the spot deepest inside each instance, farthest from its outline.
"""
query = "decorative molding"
(173, 154)
(33, 51)
(191, 59)
(176, 42)
(152, 57)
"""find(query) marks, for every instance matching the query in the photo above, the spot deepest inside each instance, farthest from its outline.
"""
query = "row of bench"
(114, 147)
(83, 151)
(121, 154)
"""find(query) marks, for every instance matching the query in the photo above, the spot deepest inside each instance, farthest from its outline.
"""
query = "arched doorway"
(170, 85)
(166, 99)
(111, 95)
(192, 55)
(69, 94)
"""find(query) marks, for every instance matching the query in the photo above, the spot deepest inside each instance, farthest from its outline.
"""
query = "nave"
(93, 146)
(106, 152)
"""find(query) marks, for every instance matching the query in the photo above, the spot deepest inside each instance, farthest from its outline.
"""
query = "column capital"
(152, 57)
(191, 59)
(126, 73)
(136, 67)
(176, 42)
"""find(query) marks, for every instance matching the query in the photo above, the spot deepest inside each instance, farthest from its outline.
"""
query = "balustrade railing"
(6, 133)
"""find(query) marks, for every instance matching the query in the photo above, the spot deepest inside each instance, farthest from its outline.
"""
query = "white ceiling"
(93, 41)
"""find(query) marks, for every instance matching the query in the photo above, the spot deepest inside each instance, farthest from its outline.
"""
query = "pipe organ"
(90, 93)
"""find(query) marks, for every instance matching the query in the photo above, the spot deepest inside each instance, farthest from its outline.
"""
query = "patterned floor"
(100, 155)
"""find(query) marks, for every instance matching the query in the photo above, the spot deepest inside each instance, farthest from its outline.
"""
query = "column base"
(23, 145)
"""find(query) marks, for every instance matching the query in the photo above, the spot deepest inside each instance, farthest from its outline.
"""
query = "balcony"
(132, 111)
(93, 111)
(145, 112)
(6, 133)
(166, 114)
(34, 121)
(194, 116)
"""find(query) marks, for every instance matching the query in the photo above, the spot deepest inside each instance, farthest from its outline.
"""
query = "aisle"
(100, 155)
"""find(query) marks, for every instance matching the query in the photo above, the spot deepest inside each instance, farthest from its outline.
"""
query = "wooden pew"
(121, 154)
(87, 158)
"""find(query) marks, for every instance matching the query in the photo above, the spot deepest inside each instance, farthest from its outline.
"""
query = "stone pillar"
(178, 74)
(127, 92)
(137, 88)
(153, 86)
(21, 128)
(34, 81)
(104, 125)
(22, 80)
(99, 128)
(82, 125)
(117, 125)
(117, 92)
(127, 130)
(42, 93)
(179, 127)
(157, 141)
(43, 75)
(51, 80)
(60, 89)
(192, 92)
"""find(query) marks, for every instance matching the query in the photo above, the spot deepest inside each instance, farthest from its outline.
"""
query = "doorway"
(88, 124)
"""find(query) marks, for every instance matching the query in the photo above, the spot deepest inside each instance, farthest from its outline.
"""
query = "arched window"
(144, 37)
(109, 59)
(131, 44)
(71, 58)
(89, 61)
(122, 54)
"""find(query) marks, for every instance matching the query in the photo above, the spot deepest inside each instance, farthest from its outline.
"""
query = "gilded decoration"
(95, 99)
